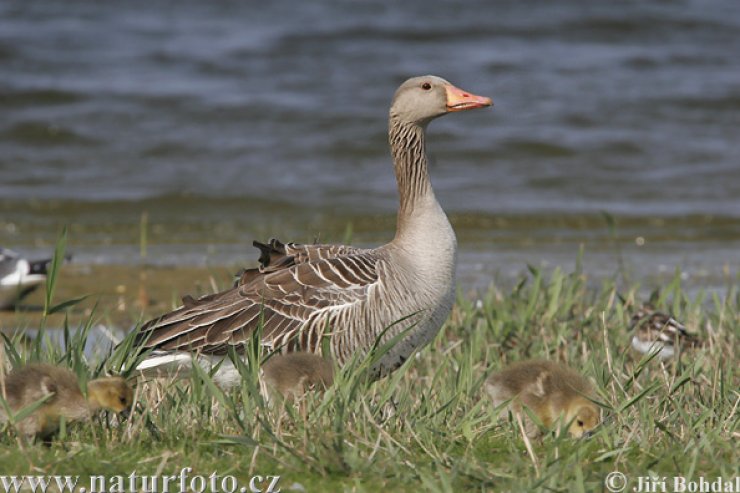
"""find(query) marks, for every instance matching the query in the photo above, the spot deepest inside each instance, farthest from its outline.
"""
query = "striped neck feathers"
(411, 167)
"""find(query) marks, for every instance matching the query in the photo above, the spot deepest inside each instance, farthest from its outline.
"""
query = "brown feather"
(281, 300)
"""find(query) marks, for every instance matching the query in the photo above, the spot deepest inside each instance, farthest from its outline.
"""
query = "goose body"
(551, 391)
(302, 293)
(19, 276)
(657, 331)
(62, 396)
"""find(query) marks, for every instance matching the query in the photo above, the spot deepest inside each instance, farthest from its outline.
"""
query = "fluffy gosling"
(656, 331)
(293, 374)
(29, 384)
(551, 392)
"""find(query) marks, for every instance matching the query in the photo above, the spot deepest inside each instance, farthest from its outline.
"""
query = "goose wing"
(275, 255)
(282, 296)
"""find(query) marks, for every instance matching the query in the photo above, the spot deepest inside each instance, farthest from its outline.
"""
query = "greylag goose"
(18, 277)
(657, 331)
(293, 374)
(302, 293)
(551, 391)
(30, 384)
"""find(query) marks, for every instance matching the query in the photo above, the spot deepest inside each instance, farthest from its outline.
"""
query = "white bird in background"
(657, 331)
(18, 276)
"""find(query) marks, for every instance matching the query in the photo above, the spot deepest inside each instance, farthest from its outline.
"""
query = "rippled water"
(231, 120)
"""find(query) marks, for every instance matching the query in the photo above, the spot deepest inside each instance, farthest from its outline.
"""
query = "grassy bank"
(429, 426)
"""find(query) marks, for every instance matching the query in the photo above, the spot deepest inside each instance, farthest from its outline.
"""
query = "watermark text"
(617, 482)
(182, 482)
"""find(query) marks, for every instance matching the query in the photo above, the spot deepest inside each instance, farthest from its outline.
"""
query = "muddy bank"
(116, 295)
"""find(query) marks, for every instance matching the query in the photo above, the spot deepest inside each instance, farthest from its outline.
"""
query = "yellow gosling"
(112, 393)
(552, 392)
(63, 397)
(294, 374)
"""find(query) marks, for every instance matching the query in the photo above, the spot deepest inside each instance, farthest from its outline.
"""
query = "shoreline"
(120, 295)
(116, 295)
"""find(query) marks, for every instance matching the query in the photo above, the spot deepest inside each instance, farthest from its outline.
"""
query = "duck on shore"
(57, 393)
(551, 391)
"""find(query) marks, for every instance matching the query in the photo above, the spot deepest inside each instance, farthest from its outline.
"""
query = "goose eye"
(426, 86)
(580, 423)
(123, 400)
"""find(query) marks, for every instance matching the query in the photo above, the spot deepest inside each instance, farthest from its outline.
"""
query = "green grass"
(429, 426)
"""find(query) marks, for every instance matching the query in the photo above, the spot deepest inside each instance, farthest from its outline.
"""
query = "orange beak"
(459, 100)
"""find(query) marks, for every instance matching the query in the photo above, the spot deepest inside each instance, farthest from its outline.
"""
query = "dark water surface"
(228, 121)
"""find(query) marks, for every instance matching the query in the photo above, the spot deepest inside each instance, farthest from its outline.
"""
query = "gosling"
(294, 374)
(654, 331)
(60, 388)
(551, 391)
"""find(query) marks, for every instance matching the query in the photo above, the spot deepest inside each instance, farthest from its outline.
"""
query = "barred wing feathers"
(290, 302)
(275, 255)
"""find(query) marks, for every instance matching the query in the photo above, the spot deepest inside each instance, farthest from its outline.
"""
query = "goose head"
(112, 393)
(419, 100)
(583, 416)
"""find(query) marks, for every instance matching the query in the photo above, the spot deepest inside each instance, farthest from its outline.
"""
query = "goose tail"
(180, 364)
(162, 363)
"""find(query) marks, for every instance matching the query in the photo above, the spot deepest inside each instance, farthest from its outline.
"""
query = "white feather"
(180, 364)
(12, 284)
(665, 351)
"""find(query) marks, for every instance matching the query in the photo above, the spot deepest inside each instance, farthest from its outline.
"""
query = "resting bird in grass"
(294, 374)
(657, 331)
(62, 397)
(19, 277)
(302, 295)
(552, 392)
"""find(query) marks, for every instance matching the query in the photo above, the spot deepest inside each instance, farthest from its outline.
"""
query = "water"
(228, 121)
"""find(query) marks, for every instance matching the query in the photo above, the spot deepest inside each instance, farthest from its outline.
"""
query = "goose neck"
(407, 142)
